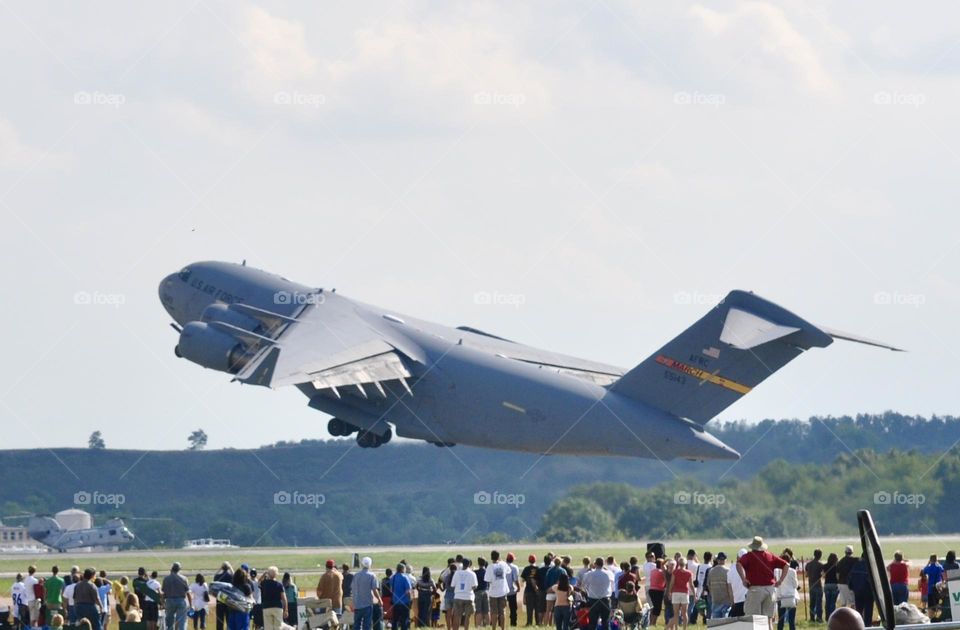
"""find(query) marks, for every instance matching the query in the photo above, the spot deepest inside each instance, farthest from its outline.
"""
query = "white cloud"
(778, 36)
(277, 46)
(15, 154)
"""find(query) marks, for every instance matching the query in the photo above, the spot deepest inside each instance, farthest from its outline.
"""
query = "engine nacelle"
(222, 313)
(211, 348)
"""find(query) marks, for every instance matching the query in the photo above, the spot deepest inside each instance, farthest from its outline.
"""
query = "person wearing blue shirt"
(400, 587)
(366, 594)
(934, 573)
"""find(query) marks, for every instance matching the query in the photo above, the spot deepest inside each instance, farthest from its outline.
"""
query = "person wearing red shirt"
(899, 577)
(756, 568)
(681, 587)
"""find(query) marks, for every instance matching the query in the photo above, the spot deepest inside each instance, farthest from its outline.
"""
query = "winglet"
(839, 334)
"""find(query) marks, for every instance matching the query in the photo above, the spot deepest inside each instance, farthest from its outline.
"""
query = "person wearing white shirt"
(16, 594)
(598, 583)
(787, 595)
(68, 598)
(738, 588)
(30, 597)
(700, 579)
(498, 578)
(198, 601)
(648, 567)
(464, 582)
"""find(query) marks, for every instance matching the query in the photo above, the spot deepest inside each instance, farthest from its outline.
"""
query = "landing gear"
(443, 444)
(369, 439)
(338, 428)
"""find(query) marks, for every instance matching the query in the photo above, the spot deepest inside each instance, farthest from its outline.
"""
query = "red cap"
(511, 557)
(532, 558)
(331, 564)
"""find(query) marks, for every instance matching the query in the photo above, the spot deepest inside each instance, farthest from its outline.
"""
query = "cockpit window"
(184, 274)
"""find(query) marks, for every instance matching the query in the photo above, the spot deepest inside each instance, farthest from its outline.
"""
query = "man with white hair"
(366, 593)
(273, 599)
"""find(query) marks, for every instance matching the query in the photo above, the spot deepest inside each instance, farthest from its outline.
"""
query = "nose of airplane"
(167, 294)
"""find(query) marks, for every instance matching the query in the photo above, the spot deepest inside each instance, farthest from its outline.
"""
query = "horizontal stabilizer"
(839, 334)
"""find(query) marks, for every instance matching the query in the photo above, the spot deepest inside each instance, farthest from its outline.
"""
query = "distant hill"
(332, 493)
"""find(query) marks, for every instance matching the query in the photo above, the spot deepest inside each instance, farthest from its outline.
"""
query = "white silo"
(74, 519)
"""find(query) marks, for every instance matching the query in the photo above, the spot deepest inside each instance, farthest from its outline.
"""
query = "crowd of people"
(490, 592)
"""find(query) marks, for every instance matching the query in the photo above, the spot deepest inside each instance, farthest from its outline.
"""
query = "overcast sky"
(605, 170)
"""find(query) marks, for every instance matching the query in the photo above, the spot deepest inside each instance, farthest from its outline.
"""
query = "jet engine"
(211, 348)
(222, 313)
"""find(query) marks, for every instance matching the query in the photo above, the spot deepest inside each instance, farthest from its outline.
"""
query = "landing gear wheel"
(367, 439)
(338, 428)
(386, 437)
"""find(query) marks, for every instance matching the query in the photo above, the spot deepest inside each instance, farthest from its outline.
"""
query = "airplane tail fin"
(724, 355)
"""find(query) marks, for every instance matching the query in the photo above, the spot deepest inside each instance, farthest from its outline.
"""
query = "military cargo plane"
(377, 372)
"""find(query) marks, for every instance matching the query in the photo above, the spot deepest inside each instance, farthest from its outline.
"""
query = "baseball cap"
(245, 567)
(742, 553)
(531, 558)
(848, 549)
(330, 564)
(721, 556)
(366, 562)
(511, 557)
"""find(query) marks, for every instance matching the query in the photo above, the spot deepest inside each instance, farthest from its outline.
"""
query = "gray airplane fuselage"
(467, 387)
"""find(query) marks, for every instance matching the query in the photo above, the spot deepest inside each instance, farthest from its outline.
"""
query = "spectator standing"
(86, 600)
(831, 585)
(860, 586)
(366, 592)
(656, 585)
(721, 593)
(104, 588)
(701, 594)
(597, 585)
(176, 596)
(464, 584)
(481, 596)
(514, 581)
(552, 577)
(401, 593)
(347, 581)
(330, 586)
(54, 592)
(756, 569)
(236, 619)
(843, 573)
(425, 590)
(199, 597)
(899, 572)
(934, 574)
(530, 592)
(225, 574)
(273, 599)
(681, 588)
(292, 618)
(498, 577)
(814, 573)
(787, 594)
(20, 611)
(561, 607)
(30, 597)
(737, 588)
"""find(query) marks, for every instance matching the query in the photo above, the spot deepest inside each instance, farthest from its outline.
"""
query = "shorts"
(679, 598)
(497, 606)
(482, 603)
(551, 597)
(656, 600)
(34, 607)
(759, 601)
(463, 607)
(151, 611)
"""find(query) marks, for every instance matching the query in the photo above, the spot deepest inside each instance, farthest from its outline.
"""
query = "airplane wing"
(330, 345)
